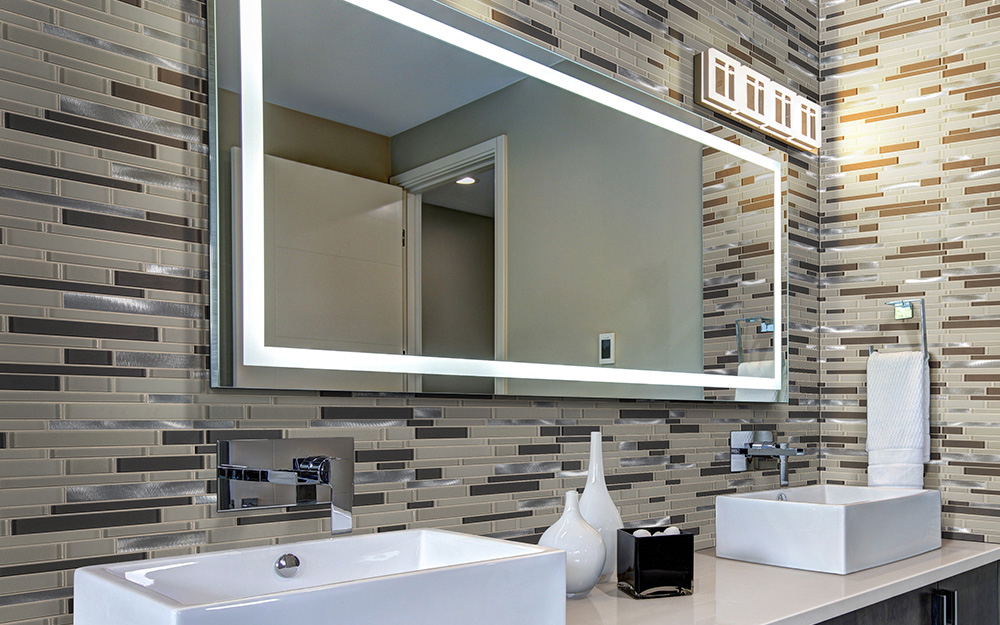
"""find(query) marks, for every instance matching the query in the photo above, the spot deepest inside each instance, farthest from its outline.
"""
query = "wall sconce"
(727, 86)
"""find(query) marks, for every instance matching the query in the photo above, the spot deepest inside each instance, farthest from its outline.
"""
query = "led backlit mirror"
(610, 245)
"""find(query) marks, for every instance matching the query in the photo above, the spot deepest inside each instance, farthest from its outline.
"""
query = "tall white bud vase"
(583, 545)
(598, 509)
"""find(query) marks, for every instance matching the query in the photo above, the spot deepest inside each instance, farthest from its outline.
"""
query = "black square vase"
(655, 566)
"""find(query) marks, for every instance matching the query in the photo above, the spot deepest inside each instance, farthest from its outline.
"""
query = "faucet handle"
(313, 468)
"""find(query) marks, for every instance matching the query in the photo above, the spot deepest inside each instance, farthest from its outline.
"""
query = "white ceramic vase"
(598, 509)
(584, 547)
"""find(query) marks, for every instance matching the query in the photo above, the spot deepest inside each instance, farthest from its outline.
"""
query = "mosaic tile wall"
(910, 210)
(107, 423)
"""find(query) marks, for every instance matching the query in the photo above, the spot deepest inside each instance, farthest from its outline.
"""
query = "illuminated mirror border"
(257, 353)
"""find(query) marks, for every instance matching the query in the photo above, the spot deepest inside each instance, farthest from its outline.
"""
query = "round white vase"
(598, 509)
(583, 545)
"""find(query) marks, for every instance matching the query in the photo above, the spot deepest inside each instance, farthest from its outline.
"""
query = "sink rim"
(115, 572)
(771, 495)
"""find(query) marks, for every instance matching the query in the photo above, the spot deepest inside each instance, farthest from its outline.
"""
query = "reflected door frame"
(419, 179)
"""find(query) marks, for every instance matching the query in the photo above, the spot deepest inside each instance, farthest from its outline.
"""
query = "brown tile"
(881, 162)
(957, 71)
(897, 147)
(866, 114)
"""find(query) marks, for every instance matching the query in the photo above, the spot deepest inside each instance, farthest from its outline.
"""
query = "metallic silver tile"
(31, 597)
(131, 53)
(358, 423)
(147, 490)
(971, 364)
(161, 541)
(166, 270)
(962, 484)
(531, 422)
(61, 202)
(534, 504)
(140, 425)
(383, 477)
(425, 412)
(129, 119)
(434, 483)
(152, 33)
(132, 305)
(511, 534)
(156, 178)
(739, 483)
(651, 461)
(993, 458)
(206, 499)
(663, 521)
(640, 421)
(155, 360)
(526, 467)
(169, 399)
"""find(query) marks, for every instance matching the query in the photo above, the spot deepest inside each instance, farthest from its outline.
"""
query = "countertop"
(728, 592)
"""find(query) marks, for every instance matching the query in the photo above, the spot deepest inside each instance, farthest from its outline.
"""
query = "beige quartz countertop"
(727, 592)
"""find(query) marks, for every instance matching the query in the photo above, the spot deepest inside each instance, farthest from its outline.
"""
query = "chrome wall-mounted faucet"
(744, 447)
(322, 471)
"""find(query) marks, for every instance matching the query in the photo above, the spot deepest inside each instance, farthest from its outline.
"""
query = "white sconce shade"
(780, 105)
(752, 96)
(719, 80)
(807, 125)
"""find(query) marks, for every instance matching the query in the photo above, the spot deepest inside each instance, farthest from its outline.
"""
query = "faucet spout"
(744, 450)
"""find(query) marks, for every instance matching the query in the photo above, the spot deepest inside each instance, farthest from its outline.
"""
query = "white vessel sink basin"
(829, 528)
(418, 577)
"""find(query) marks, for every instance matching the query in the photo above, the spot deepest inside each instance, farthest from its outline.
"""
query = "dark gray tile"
(29, 383)
(423, 433)
(369, 499)
(527, 29)
(87, 357)
(41, 525)
(183, 437)
(63, 565)
(124, 131)
(496, 517)
(382, 455)
(141, 227)
(153, 98)
(56, 327)
(533, 450)
(45, 128)
(215, 436)
(519, 477)
(496, 489)
(118, 372)
(104, 506)
(281, 518)
(159, 463)
(66, 174)
(157, 281)
(416, 505)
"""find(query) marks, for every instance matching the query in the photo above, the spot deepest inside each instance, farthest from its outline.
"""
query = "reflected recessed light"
(466, 180)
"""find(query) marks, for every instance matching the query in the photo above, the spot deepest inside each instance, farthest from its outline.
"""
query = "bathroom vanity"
(727, 592)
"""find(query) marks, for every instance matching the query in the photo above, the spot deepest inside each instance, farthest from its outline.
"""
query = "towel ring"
(766, 325)
(897, 305)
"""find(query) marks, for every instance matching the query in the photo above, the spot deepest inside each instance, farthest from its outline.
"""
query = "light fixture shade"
(807, 125)
(752, 95)
(780, 105)
(718, 80)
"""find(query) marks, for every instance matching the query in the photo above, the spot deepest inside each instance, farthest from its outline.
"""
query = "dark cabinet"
(977, 603)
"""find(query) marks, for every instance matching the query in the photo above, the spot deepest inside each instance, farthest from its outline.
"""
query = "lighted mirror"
(407, 199)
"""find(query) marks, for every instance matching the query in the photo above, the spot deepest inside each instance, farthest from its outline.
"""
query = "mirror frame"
(251, 337)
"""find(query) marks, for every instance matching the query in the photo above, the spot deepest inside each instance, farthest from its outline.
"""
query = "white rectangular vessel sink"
(828, 528)
(418, 577)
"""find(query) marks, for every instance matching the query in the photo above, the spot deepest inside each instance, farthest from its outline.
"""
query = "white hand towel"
(898, 419)
(758, 369)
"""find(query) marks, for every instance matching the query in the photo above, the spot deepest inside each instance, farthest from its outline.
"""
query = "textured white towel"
(758, 369)
(899, 440)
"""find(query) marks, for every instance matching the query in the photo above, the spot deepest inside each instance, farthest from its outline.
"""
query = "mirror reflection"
(423, 200)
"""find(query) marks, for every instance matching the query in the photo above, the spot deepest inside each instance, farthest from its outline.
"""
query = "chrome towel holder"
(903, 309)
